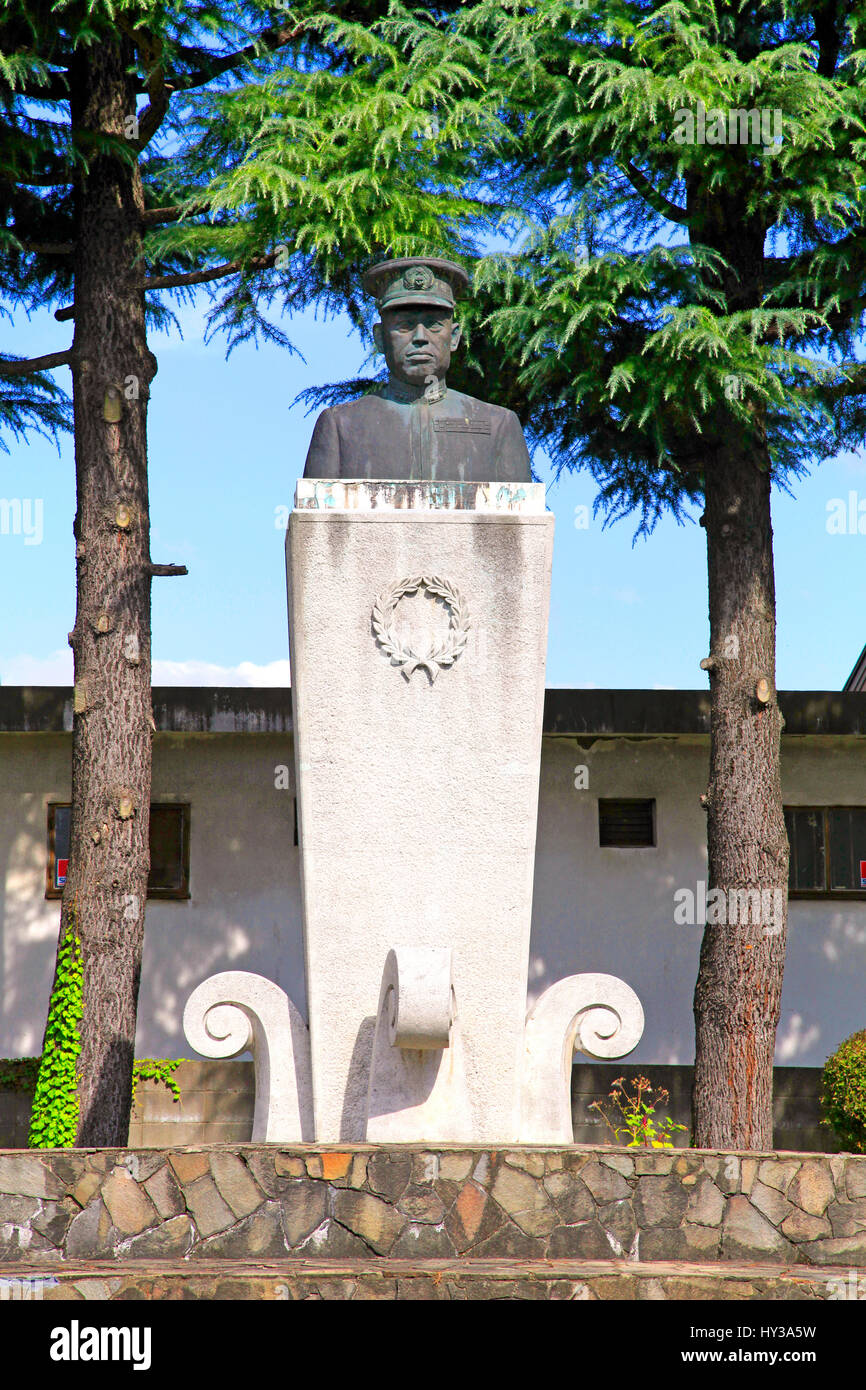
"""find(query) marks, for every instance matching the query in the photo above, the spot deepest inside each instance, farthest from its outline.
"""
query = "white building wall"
(824, 995)
(244, 912)
(609, 910)
(612, 910)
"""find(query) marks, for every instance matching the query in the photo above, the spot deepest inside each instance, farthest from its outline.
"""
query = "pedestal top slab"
(385, 495)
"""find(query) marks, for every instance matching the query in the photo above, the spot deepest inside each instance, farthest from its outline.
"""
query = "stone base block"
(583, 1281)
(314, 1203)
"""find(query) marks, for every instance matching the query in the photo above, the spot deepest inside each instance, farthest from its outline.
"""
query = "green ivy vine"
(20, 1074)
(54, 1120)
(156, 1069)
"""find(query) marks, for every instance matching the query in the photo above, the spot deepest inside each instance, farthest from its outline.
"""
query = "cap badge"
(419, 277)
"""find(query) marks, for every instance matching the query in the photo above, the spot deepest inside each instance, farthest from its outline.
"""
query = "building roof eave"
(596, 713)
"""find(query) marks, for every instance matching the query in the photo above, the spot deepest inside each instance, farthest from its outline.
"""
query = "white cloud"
(208, 673)
(56, 669)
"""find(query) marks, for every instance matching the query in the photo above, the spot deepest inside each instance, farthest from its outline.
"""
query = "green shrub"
(843, 1093)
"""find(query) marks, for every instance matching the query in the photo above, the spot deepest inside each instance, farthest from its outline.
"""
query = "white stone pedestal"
(417, 729)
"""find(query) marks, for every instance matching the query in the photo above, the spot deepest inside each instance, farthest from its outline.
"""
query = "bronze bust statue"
(417, 428)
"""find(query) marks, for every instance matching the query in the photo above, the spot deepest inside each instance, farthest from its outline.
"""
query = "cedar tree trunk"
(106, 888)
(738, 992)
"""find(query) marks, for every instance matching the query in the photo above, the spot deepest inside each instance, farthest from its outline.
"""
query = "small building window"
(169, 850)
(626, 824)
(58, 849)
(828, 851)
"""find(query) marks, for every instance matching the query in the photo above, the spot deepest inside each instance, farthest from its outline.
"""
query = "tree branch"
(57, 89)
(855, 386)
(152, 118)
(847, 315)
(194, 277)
(156, 217)
(21, 202)
(150, 51)
(157, 109)
(167, 570)
(201, 277)
(214, 67)
(32, 221)
(657, 201)
(49, 248)
(22, 367)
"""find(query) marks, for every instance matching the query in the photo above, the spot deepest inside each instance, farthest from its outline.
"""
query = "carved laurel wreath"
(443, 654)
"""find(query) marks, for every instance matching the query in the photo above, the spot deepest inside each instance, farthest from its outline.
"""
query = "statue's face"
(417, 341)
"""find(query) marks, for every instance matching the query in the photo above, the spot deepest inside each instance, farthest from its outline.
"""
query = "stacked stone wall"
(264, 1202)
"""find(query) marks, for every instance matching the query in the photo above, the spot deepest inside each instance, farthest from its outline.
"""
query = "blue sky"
(226, 448)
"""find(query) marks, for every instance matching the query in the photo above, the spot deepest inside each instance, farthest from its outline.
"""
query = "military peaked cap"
(416, 280)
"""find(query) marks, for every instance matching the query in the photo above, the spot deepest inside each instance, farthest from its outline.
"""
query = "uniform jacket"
(454, 438)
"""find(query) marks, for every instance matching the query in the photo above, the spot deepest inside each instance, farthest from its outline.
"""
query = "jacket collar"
(407, 395)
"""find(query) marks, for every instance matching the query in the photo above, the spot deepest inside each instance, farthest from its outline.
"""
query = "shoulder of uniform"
(473, 406)
(350, 408)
